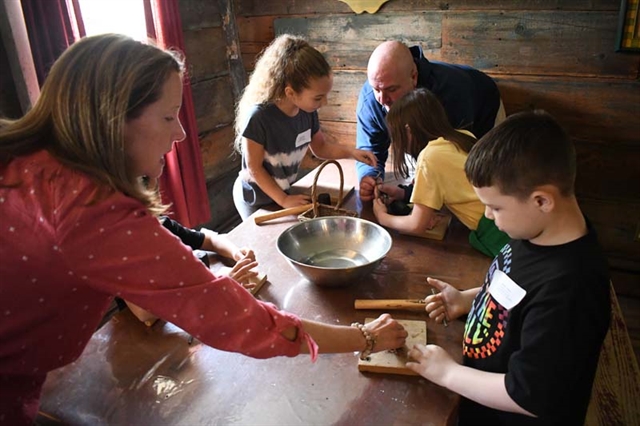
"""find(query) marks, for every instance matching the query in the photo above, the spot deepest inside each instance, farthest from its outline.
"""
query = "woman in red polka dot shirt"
(77, 227)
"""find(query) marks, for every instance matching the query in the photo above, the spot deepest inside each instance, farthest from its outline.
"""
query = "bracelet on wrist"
(369, 339)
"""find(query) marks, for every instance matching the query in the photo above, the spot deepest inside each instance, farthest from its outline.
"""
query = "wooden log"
(606, 169)
(218, 155)
(205, 54)
(617, 223)
(589, 109)
(196, 15)
(254, 33)
(214, 104)
(537, 43)
(312, 7)
(343, 98)
(236, 68)
(341, 132)
(347, 41)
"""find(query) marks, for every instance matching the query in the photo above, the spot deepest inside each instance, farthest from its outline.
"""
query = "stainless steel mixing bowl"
(334, 251)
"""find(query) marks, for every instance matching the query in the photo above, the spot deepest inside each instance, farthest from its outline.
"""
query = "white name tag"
(303, 138)
(505, 290)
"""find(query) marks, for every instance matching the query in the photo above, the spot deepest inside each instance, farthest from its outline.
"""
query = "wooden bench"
(615, 398)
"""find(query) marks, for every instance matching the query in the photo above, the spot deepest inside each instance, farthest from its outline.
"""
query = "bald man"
(470, 98)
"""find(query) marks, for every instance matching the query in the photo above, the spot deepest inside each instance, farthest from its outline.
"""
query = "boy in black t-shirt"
(534, 329)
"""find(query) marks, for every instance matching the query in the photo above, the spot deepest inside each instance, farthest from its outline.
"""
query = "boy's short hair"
(527, 150)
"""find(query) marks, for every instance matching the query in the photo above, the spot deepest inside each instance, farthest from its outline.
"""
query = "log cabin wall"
(555, 55)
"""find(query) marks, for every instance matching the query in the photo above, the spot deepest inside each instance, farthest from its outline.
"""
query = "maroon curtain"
(183, 182)
(52, 25)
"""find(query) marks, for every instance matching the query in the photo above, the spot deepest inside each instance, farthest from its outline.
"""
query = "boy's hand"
(447, 304)
(431, 362)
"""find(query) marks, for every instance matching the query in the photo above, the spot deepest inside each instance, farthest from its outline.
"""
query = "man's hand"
(365, 156)
(367, 188)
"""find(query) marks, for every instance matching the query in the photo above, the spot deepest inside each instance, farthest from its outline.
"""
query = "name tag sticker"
(303, 138)
(505, 290)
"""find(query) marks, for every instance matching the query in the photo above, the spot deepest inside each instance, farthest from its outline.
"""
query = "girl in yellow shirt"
(419, 128)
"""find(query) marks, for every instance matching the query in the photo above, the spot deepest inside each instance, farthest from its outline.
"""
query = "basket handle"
(314, 192)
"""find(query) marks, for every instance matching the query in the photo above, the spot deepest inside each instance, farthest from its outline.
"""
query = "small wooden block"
(259, 281)
(438, 231)
(394, 363)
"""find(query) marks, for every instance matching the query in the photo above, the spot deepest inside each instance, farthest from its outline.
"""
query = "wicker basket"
(324, 210)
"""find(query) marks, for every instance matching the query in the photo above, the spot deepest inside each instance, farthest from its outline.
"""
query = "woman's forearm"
(333, 338)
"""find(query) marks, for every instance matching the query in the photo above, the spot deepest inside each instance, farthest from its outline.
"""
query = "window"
(114, 16)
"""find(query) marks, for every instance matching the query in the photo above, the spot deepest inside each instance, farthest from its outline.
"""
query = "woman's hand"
(389, 333)
(431, 362)
(448, 304)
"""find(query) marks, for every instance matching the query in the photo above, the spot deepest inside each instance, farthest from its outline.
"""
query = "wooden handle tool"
(281, 213)
(400, 304)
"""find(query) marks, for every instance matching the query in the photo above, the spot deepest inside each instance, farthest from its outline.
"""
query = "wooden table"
(132, 374)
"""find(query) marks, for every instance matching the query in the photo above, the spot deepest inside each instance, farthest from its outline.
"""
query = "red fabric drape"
(52, 26)
(182, 183)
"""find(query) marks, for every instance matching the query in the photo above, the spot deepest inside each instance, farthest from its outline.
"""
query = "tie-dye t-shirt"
(548, 344)
(285, 140)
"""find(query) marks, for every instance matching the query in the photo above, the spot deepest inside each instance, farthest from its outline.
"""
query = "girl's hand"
(243, 271)
(431, 362)
(393, 191)
(242, 253)
(389, 333)
(379, 208)
(295, 200)
(365, 156)
(447, 304)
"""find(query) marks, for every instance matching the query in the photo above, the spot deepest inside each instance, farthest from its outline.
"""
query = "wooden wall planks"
(313, 7)
(205, 54)
(209, 55)
(536, 43)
